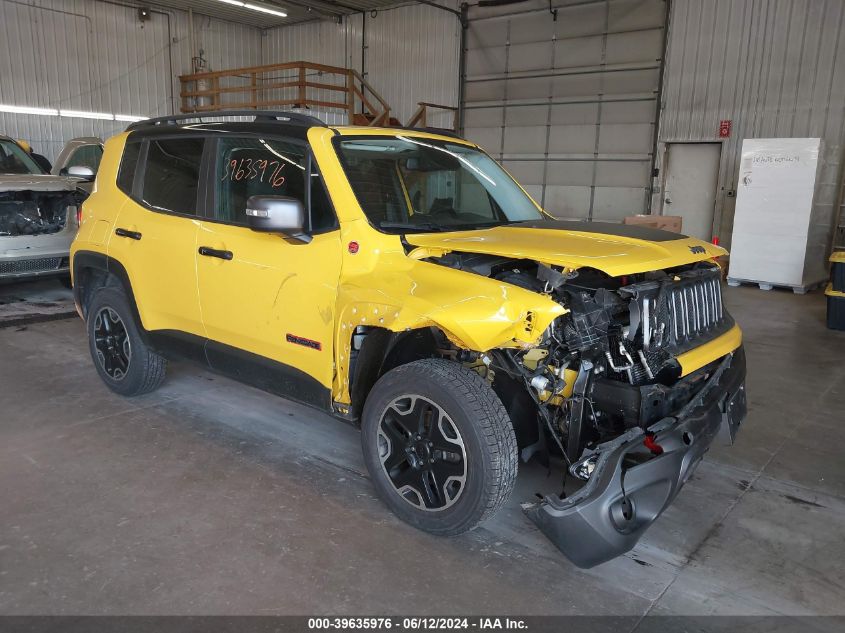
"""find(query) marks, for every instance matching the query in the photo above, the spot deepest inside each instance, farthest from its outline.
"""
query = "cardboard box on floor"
(665, 222)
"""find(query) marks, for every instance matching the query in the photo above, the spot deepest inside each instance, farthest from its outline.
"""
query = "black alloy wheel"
(438, 445)
(111, 340)
(422, 453)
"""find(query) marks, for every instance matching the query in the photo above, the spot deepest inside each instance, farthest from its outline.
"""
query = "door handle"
(213, 252)
(132, 235)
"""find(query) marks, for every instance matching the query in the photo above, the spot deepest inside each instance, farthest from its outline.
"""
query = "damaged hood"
(616, 249)
(36, 182)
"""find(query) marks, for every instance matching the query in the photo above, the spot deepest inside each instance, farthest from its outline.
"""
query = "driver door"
(268, 301)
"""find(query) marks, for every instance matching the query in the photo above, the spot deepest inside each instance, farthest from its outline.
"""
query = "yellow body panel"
(830, 292)
(613, 254)
(321, 290)
(474, 312)
(161, 267)
(271, 287)
(100, 208)
(698, 357)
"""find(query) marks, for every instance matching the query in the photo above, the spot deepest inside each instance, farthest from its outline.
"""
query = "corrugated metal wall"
(412, 55)
(776, 68)
(568, 101)
(408, 54)
(96, 56)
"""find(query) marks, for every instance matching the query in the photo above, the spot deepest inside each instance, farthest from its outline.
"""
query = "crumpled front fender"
(474, 312)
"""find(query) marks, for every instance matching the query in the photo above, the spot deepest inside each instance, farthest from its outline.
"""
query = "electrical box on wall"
(777, 238)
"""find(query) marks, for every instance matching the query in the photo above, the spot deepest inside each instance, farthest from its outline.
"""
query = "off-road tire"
(483, 425)
(146, 369)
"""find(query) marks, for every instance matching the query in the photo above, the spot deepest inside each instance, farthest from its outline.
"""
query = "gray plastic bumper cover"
(611, 512)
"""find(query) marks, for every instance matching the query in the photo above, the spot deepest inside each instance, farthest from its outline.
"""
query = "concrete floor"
(208, 497)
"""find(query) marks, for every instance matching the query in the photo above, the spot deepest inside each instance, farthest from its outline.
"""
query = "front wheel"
(439, 446)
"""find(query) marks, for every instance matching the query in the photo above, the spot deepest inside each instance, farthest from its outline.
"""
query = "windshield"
(13, 160)
(405, 183)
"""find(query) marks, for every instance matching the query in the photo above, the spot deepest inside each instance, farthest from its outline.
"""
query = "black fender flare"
(110, 266)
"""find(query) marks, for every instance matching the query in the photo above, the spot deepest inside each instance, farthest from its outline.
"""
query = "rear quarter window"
(128, 167)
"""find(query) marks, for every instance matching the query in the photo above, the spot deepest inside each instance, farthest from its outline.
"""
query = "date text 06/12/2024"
(416, 623)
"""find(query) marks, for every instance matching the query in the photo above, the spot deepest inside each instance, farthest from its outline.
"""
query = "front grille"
(678, 312)
(695, 308)
(38, 265)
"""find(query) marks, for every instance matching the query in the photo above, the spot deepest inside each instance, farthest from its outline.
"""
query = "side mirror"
(277, 214)
(83, 173)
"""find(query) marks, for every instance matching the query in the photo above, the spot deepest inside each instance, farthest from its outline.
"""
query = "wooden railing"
(296, 85)
(293, 84)
(420, 117)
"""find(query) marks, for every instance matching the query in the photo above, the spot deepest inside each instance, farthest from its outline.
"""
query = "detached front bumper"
(611, 512)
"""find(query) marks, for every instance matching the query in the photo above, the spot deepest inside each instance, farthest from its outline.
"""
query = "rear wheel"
(439, 446)
(122, 359)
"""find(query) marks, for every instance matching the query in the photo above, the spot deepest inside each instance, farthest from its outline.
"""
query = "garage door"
(566, 98)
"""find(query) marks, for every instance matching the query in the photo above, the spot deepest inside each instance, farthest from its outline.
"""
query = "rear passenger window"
(128, 165)
(171, 175)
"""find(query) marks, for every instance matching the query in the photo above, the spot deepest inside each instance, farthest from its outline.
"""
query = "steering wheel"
(443, 211)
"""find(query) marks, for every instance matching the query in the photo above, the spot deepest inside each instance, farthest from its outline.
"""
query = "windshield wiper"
(425, 227)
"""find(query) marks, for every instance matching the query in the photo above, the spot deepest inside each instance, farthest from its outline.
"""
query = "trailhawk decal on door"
(306, 342)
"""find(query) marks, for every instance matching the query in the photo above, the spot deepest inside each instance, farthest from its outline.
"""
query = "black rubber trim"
(607, 517)
(261, 116)
(98, 261)
(177, 345)
(268, 375)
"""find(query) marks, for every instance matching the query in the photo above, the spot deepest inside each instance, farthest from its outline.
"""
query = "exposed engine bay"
(36, 212)
(609, 364)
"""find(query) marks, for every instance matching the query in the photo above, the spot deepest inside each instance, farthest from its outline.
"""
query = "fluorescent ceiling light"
(27, 110)
(255, 7)
(81, 114)
(71, 114)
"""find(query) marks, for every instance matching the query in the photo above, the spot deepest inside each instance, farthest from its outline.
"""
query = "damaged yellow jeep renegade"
(400, 279)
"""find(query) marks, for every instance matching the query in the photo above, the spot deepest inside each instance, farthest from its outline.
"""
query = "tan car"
(39, 212)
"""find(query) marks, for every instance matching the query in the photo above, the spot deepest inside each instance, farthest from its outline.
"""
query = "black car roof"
(291, 124)
(264, 123)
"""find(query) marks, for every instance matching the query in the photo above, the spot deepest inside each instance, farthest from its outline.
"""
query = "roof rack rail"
(258, 115)
(442, 131)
